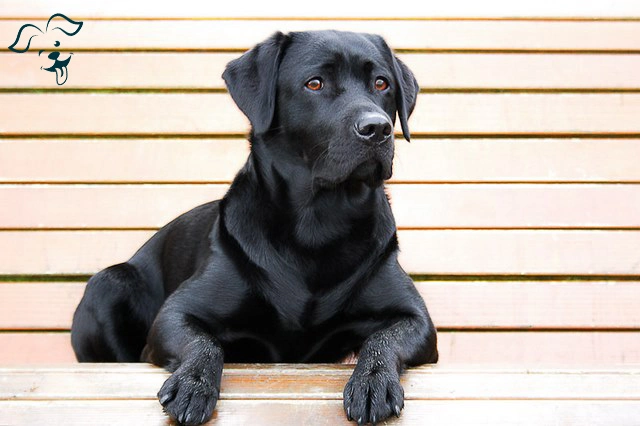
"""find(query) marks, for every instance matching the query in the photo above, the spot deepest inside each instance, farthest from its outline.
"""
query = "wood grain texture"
(324, 382)
(434, 71)
(466, 252)
(459, 8)
(468, 305)
(330, 413)
(415, 206)
(210, 113)
(558, 348)
(421, 35)
(218, 160)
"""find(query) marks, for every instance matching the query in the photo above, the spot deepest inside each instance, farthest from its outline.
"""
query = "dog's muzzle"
(373, 128)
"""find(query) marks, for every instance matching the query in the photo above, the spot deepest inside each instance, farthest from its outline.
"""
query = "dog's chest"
(288, 329)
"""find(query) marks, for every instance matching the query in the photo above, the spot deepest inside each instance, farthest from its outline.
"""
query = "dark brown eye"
(381, 84)
(314, 84)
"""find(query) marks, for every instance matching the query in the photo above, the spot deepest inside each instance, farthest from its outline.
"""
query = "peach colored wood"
(463, 35)
(533, 304)
(414, 206)
(121, 113)
(404, 8)
(514, 206)
(330, 413)
(323, 382)
(217, 160)
(452, 304)
(36, 348)
(47, 306)
(118, 160)
(521, 252)
(441, 113)
(127, 204)
(468, 252)
(559, 348)
(564, 348)
(433, 71)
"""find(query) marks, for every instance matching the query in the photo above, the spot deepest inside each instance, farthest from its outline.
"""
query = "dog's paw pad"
(188, 398)
(373, 397)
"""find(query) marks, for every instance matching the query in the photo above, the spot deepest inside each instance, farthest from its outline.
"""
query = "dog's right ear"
(60, 22)
(23, 40)
(251, 80)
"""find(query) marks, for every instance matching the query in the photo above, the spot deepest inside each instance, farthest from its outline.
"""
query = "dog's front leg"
(374, 392)
(195, 357)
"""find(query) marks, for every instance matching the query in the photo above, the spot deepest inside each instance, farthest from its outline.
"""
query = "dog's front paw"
(371, 397)
(189, 396)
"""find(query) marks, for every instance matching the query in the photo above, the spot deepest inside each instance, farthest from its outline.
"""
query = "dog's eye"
(314, 84)
(56, 44)
(381, 84)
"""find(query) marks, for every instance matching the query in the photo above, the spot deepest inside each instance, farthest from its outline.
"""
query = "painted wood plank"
(452, 304)
(467, 252)
(430, 35)
(521, 252)
(217, 160)
(122, 160)
(323, 382)
(558, 348)
(433, 71)
(457, 8)
(415, 206)
(454, 413)
(440, 113)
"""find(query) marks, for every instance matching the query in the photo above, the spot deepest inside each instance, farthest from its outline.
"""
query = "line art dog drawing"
(57, 27)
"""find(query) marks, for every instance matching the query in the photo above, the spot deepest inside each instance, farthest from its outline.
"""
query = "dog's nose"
(53, 55)
(374, 128)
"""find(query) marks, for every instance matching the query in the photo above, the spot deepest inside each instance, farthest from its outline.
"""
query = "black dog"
(298, 262)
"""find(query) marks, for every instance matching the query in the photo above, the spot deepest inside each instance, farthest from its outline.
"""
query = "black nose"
(53, 55)
(373, 128)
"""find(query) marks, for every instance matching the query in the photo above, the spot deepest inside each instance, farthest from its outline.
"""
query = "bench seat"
(278, 394)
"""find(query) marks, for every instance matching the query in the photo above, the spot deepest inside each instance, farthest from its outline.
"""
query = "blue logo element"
(57, 26)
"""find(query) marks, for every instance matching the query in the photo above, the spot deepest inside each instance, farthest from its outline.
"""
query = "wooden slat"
(405, 8)
(118, 160)
(323, 382)
(468, 252)
(433, 71)
(561, 348)
(415, 206)
(521, 252)
(270, 412)
(452, 304)
(456, 114)
(467, 35)
(217, 160)
(36, 348)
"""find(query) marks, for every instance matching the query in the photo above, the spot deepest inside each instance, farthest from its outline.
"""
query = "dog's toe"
(188, 398)
(373, 397)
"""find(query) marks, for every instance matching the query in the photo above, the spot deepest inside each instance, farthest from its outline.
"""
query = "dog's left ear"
(251, 80)
(23, 40)
(407, 87)
(406, 94)
(64, 24)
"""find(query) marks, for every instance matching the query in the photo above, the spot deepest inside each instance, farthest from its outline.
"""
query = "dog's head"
(335, 95)
(58, 27)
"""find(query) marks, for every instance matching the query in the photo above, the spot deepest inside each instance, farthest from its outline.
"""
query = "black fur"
(298, 261)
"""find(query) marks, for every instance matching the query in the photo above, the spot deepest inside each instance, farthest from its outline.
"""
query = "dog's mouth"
(370, 172)
(60, 68)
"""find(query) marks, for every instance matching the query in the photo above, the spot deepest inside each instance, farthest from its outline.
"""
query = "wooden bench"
(517, 201)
